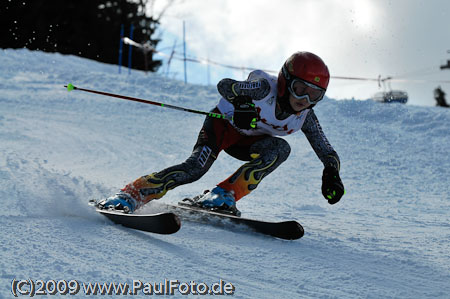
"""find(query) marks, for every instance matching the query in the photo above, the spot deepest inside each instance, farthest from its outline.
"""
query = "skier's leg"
(155, 185)
(265, 156)
(215, 135)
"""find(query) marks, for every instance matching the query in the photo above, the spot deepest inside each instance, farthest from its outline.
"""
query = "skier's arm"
(319, 142)
(332, 187)
(256, 88)
(241, 95)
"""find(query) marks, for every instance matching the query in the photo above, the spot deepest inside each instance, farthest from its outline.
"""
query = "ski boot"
(217, 200)
(122, 202)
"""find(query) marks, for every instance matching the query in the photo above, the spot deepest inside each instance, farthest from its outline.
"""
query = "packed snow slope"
(389, 237)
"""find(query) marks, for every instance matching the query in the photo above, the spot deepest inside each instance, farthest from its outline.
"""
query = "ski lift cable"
(380, 80)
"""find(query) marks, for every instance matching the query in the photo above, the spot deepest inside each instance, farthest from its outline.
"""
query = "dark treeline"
(87, 28)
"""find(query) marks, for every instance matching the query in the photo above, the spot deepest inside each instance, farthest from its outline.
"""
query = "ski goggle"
(304, 90)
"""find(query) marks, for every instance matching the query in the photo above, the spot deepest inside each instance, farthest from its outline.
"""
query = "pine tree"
(87, 28)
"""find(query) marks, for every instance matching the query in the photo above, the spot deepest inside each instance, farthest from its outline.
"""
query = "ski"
(168, 222)
(287, 230)
(159, 223)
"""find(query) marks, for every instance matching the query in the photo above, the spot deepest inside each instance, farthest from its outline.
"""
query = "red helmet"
(305, 66)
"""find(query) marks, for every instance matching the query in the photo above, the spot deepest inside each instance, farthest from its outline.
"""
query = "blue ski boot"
(218, 200)
(122, 202)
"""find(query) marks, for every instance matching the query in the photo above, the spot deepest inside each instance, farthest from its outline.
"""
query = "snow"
(389, 236)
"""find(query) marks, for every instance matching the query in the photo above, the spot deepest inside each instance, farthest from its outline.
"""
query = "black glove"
(332, 187)
(245, 114)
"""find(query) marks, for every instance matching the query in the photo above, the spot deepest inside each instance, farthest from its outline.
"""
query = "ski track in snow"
(388, 237)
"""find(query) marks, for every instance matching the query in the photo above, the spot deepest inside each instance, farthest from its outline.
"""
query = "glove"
(245, 114)
(332, 187)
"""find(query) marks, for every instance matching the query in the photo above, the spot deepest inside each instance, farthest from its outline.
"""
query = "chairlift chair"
(390, 96)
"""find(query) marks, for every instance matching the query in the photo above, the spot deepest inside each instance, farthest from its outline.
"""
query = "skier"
(262, 107)
(439, 96)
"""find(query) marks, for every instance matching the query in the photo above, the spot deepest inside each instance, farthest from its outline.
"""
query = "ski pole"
(70, 87)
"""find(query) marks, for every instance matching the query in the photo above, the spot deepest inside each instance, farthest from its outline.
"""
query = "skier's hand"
(245, 114)
(332, 187)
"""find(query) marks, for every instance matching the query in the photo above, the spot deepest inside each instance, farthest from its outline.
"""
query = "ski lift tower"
(446, 66)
